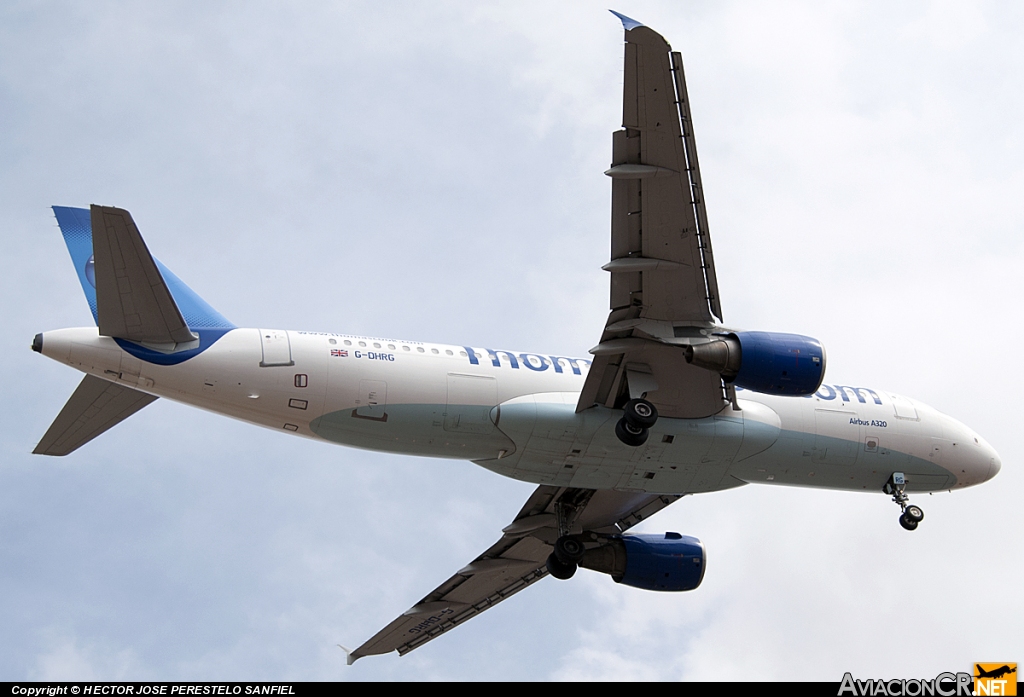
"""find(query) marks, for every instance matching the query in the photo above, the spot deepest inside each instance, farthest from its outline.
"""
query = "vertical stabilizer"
(132, 299)
(76, 227)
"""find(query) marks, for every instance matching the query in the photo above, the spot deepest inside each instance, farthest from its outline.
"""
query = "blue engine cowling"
(767, 362)
(780, 364)
(669, 562)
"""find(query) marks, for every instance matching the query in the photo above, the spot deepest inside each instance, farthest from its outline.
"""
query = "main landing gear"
(912, 515)
(563, 562)
(637, 417)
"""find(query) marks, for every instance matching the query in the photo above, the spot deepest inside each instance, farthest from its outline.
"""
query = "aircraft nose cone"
(995, 464)
(974, 461)
(37, 343)
(983, 463)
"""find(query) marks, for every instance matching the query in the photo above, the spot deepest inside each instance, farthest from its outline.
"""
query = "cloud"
(63, 659)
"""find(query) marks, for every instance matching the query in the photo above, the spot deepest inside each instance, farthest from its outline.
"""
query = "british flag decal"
(339, 352)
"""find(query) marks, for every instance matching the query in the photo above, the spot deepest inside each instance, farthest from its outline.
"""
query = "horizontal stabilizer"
(132, 299)
(96, 406)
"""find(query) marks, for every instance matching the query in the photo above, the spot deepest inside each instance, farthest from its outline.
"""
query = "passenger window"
(347, 342)
(376, 345)
(405, 348)
(362, 343)
(420, 349)
(449, 352)
(332, 341)
(391, 346)
(433, 350)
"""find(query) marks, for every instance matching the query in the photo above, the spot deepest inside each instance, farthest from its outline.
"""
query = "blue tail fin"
(76, 227)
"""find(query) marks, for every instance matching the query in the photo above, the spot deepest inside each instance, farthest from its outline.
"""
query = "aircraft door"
(277, 348)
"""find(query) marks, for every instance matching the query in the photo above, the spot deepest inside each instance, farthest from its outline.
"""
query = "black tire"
(569, 550)
(640, 413)
(558, 569)
(914, 513)
(907, 523)
(629, 434)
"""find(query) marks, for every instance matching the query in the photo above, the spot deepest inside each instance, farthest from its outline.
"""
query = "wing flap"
(95, 407)
(696, 185)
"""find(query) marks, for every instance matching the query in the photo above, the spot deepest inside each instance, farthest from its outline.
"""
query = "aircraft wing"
(663, 285)
(514, 562)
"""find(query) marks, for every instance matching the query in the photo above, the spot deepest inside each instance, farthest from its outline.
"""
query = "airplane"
(995, 673)
(670, 402)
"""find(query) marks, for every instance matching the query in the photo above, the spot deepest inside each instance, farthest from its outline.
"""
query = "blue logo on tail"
(90, 271)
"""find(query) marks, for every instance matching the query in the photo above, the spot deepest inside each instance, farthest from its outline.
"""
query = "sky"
(433, 171)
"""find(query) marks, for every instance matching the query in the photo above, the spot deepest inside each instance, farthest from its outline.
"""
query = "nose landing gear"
(638, 415)
(912, 515)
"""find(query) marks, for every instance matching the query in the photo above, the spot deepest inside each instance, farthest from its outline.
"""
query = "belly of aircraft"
(554, 445)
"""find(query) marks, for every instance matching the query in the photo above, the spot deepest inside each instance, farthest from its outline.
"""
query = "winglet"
(349, 658)
(627, 23)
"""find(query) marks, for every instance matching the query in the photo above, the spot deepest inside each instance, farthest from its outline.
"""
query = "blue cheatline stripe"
(207, 338)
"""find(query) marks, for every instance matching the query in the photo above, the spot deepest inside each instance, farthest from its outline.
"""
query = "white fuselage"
(515, 413)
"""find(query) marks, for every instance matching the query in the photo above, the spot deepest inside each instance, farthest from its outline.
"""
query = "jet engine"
(766, 362)
(669, 562)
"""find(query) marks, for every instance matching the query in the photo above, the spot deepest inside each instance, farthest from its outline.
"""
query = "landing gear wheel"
(569, 550)
(911, 515)
(629, 434)
(558, 569)
(640, 413)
